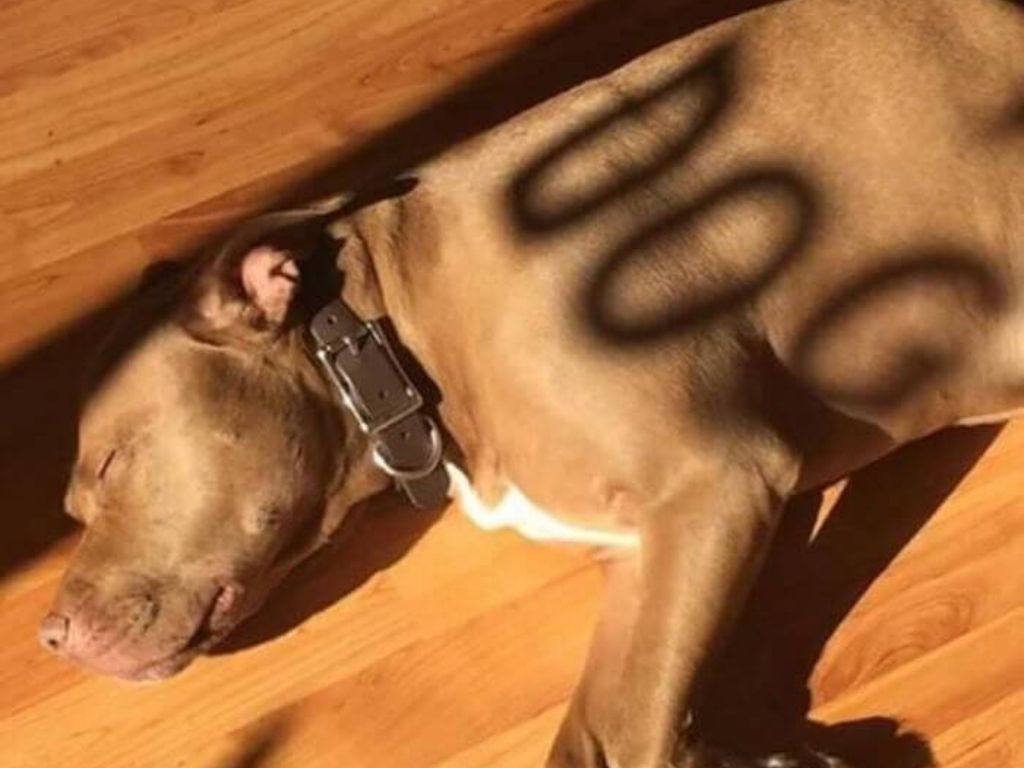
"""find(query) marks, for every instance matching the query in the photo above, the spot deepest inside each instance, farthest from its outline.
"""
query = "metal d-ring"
(399, 473)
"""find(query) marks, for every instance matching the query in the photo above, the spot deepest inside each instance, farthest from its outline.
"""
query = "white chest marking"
(519, 513)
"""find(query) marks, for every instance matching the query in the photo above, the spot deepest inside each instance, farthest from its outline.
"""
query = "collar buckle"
(361, 365)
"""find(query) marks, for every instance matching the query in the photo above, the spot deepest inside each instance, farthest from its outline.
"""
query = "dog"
(653, 309)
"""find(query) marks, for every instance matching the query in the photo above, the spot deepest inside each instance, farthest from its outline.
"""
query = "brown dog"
(740, 267)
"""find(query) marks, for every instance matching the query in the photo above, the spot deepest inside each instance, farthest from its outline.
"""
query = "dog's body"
(659, 305)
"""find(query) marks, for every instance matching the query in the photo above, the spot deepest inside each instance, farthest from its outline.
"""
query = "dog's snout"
(89, 624)
(54, 631)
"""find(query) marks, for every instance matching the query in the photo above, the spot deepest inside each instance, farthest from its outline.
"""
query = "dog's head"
(210, 457)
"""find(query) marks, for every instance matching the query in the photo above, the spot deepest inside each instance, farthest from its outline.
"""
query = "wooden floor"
(134, 132)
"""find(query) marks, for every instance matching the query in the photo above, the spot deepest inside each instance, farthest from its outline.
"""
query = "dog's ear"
(256, 289)
(251, 292)
(251, 284)
(270, 280)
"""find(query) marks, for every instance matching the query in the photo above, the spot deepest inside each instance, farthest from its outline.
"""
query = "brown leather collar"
(360, 364)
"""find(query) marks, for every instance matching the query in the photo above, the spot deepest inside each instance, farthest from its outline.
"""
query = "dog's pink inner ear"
(270, 278)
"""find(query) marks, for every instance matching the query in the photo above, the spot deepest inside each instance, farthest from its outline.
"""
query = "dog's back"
(845, 178)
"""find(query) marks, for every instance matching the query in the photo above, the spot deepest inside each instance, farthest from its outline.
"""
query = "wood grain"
(133, 132)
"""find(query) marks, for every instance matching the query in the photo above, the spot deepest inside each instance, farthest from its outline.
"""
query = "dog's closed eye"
(106, 464)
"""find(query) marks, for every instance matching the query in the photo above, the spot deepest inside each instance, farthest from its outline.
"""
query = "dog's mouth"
(214, 624)
(217, 620)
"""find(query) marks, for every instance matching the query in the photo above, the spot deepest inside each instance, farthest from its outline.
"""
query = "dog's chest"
(514, 510)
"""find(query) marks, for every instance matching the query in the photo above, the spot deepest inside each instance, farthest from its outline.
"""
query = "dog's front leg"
(666, 607)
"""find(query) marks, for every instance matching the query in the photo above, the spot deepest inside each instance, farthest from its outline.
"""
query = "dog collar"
(361, 366)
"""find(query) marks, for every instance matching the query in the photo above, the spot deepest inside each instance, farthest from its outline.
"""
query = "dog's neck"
(390, 257)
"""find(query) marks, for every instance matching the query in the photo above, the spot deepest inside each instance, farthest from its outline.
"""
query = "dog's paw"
(807, 758)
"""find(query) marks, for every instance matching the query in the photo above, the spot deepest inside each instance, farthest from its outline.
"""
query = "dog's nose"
(53, 632)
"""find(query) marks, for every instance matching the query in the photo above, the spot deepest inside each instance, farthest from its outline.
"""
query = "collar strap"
(360, 364)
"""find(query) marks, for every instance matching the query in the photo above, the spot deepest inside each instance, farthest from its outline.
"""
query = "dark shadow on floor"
(758, 697)
(260, 746)
(38, 412)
